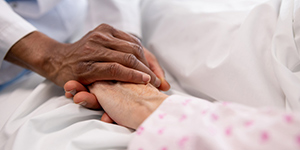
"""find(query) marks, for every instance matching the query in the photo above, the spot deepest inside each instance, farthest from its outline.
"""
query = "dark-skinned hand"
(104, 53)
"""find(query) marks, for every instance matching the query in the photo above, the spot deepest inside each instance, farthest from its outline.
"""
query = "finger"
(123, 41)
(125, 36)
(132, 39)
(121, 49)
(110, 69)
(72, 87)
(154, 65)
(111, 31)
(126, 59)
(157, 70)
(164, 86)
(113, 71)
(130, 61)
(128, 47)
(87, 100)
(106, 118)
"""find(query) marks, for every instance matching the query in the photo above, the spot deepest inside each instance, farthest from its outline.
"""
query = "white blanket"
(244, 51)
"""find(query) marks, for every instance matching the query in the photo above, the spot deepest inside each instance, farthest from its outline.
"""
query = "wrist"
(47, 51)
(51, 60)
(150, 105)
(33, 52)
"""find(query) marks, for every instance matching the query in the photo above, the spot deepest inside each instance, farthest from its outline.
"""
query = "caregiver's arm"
(191, 123)
(105, 53)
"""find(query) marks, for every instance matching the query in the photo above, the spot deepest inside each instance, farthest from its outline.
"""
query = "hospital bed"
(242, 51)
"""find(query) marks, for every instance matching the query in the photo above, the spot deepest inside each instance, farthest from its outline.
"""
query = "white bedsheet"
(36, 116)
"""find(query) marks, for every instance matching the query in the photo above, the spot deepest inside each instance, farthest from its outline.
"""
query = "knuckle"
(137, 40)
(79, 68)
(105, 27)
(131, 60)
(83, 71)
(114, 69)
(97, 36)
(83, 67)
(138, 50)
(90, 32)
(88, 48)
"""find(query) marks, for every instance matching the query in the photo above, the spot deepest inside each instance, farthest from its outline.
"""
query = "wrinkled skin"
(127, 104)
(105, 53)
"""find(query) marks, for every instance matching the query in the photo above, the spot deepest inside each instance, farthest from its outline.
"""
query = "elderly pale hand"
(103, 91)
(127, 104)
(105, 53)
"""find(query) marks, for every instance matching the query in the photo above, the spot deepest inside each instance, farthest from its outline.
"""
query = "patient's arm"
(127, 104)
(191, 123)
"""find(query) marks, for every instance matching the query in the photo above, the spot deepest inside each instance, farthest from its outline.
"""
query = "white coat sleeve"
(190, 123)
(12, 28)
(123, 15)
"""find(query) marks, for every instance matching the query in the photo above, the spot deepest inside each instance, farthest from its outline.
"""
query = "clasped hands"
(103, 54)
(124, 59)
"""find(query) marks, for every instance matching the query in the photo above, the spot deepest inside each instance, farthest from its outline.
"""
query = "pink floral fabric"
(183, 123)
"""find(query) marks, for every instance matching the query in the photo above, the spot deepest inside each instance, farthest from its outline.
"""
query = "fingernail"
(157, 82)
(83, 103)
(146, 78)
(73, 92)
